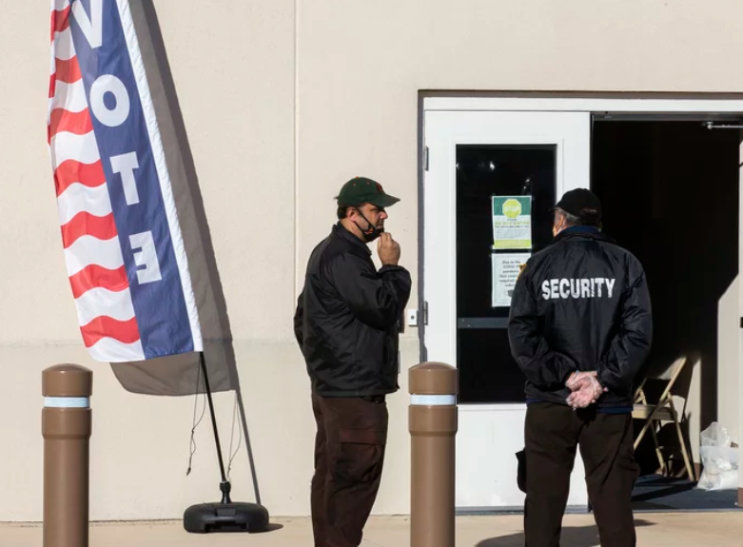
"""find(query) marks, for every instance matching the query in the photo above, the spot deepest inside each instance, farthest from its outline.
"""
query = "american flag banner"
(122, 240)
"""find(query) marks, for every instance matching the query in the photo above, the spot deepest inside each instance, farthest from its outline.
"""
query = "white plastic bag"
(719, 458)
(715, 435)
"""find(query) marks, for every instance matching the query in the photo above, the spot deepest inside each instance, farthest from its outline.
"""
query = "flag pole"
(251, 459)
(225, 486)
(225, 516)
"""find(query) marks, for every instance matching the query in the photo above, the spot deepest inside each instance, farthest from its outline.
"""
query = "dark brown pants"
(553, 432)
(349, 454)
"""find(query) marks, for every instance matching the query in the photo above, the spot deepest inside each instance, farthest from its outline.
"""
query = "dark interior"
(670, 196)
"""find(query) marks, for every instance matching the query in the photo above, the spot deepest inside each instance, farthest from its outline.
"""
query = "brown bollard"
(433, 427)
(66, 426)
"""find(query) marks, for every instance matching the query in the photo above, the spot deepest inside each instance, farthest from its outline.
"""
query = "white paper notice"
(506, 269)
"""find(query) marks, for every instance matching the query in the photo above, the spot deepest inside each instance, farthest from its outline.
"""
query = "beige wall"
(263, 122)
(728, 334)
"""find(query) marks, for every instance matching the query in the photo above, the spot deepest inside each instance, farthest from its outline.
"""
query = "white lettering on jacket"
(563, 289)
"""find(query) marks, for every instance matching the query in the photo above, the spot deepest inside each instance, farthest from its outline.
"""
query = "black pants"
(553, 433)
(349, 456)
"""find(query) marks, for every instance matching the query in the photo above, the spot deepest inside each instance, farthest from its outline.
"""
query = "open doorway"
(670, 193)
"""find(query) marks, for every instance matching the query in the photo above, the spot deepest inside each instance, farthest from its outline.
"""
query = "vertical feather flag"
(122, 240)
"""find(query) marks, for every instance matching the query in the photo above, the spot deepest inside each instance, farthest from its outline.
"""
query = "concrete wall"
(274, 132)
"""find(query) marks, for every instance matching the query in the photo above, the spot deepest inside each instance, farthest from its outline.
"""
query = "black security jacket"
(348, 318)
(581, 304)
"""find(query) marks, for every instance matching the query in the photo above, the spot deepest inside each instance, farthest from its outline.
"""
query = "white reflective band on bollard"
(66, 402)
(433, 400)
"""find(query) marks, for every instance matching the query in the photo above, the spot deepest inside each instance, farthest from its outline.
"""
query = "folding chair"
(663, 411)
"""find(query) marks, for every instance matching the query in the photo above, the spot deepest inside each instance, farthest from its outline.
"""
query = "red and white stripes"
(95, 264)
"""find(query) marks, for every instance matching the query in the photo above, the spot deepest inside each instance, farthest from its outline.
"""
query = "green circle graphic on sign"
(511, 208)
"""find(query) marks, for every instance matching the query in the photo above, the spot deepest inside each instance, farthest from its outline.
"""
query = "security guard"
(580, 328)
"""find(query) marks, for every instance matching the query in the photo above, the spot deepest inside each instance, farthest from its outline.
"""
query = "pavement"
(678, 529)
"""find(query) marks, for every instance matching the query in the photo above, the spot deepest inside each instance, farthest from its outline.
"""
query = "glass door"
(492, 178)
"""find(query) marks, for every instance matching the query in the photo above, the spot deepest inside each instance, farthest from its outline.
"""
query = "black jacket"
(348, 318)
(581, 304)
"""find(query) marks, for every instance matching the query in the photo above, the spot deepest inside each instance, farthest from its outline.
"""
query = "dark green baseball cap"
(363, 190)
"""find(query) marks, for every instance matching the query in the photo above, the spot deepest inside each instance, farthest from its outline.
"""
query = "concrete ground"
(718, 529)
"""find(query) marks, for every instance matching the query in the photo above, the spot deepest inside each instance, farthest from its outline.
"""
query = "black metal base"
(225, 517)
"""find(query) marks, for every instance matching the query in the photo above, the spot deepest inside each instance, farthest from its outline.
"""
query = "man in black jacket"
(347, 323)
(580, 329)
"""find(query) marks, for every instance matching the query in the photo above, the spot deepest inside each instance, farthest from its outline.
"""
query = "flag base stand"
(225, 516)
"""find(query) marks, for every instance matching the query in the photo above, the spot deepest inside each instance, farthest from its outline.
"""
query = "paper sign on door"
(506, 268)
(511, 222)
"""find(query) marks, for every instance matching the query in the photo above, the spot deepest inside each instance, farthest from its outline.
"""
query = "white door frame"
(641, 107)
(704, 107)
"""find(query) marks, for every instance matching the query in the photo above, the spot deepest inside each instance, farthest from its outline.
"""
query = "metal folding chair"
(662, 411)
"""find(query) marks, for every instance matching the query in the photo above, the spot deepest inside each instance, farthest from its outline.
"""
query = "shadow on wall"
(180, 375)
(572, 536)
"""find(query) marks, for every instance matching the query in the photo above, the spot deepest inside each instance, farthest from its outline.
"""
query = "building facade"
(284, 101)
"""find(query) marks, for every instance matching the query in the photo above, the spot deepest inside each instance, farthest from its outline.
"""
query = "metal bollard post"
(433, 426)
(66, 427)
